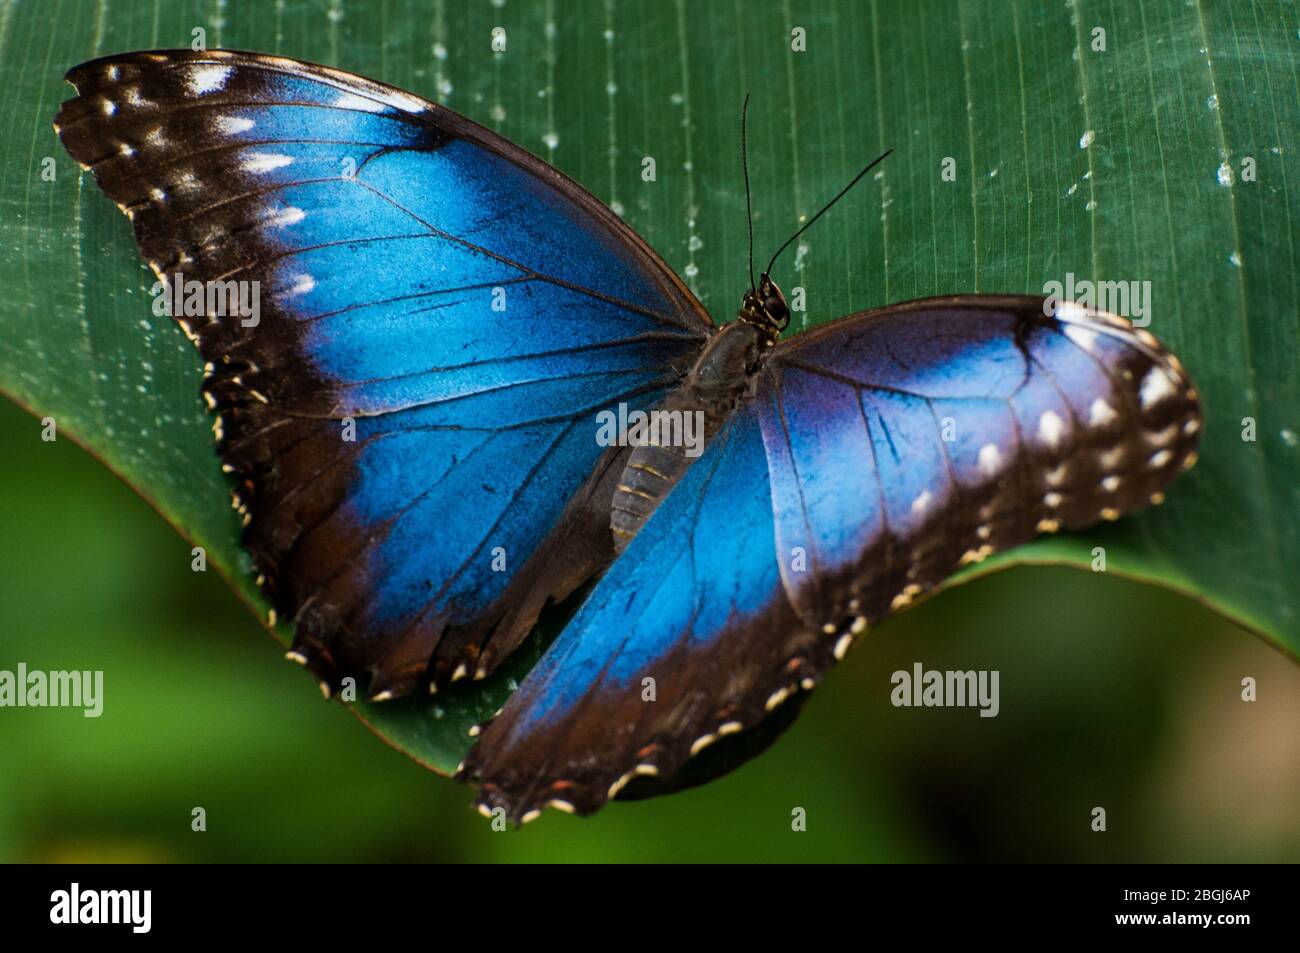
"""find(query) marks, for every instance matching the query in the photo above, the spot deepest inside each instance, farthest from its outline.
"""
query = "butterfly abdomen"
(653, 468)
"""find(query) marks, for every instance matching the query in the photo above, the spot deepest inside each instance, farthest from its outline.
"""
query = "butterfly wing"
(878, 454)
(410, 417)
(676, 643)
(906, 442)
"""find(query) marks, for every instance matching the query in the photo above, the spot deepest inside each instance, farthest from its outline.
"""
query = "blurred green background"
(1112, 694)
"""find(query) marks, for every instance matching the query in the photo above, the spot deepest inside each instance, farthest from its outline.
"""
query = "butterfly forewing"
(409, 415)
(907, 442)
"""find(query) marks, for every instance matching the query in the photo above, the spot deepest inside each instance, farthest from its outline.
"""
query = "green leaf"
(1123, 164)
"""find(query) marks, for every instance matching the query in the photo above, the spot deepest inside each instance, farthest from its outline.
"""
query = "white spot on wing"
(353, 101)
(921, 502)
(1050, 428)
(1156, 386)
(1082, 336)
(233, 125)
(265, 161)
(990, 459)
(1101, 413)
(285, 216)
(302, 285)
(1164, 436)
(207, 79)
(1071, 311)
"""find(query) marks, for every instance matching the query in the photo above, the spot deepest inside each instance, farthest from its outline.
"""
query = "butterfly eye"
(774, 306)
(777, 311)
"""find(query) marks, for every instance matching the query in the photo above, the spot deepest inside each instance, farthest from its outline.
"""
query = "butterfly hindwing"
(676, 647)
(878, 455)
(410, 417)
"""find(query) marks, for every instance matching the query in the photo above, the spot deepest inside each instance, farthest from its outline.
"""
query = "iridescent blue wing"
(879, 454)
(675, 646)
(969, 424)
(410, 420)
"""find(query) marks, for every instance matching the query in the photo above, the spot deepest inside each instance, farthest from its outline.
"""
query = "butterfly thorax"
(684, 422)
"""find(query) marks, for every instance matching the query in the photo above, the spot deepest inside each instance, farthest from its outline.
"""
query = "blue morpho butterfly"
(848, 470)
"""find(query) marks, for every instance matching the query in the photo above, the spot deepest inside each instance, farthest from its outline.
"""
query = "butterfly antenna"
(749, 212)
(844, 191)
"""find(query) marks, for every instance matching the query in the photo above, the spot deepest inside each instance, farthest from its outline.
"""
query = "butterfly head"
(764, 306)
